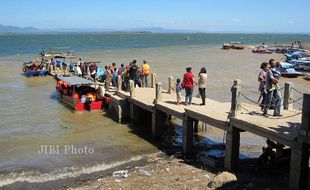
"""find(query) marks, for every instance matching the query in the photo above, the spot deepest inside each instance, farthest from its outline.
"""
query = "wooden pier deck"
(234, 117)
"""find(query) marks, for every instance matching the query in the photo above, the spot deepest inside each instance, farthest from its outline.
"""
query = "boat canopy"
(75, 80)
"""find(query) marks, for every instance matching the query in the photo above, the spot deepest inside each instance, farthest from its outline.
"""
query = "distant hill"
(15, 29)
(142, 30)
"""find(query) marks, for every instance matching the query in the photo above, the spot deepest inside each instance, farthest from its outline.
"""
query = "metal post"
(158, 92)
(235, 101)
(171, 85)
(288, 95)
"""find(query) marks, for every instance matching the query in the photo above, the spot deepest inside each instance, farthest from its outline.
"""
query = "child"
(178, 90)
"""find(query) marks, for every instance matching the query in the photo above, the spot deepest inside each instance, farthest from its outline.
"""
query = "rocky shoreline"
(169, 172)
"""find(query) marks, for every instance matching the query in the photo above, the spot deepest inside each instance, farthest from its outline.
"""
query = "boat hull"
(262, 52)
(77, 105)
(38, 73)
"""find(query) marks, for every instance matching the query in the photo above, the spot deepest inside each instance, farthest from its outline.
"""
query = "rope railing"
(297, 90)
(295, 100)
(255, 106)
(283, 117)
(250, 100)
(257, 103)
(248, 90)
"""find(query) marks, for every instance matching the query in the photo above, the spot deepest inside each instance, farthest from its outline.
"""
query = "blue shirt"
(178, 87)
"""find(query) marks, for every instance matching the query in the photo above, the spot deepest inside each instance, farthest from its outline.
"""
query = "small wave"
(67, 172)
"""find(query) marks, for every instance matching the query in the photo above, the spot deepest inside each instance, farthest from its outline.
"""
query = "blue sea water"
(13, 44)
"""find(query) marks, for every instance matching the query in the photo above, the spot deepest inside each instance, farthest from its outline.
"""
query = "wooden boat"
(233, 45)
(55, 54)
(80, 93)
(287, 70)
(226, 46)
(261, 49)
(34, 68)
(301, 65)
(236, 45)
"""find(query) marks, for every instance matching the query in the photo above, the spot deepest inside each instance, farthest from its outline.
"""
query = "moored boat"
(302, 65)
(34, 68)
(287, 70)
(81, 94)
(226, 46)
(233, 45)
(261, 49)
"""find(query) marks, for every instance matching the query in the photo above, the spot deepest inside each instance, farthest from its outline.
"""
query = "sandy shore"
(170, 172)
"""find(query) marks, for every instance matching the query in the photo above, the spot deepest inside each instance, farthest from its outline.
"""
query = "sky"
(284, 16)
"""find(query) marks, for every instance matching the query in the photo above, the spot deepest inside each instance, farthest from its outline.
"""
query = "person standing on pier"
(145, 73)
(188, 84)
(202, 84)
(272, 92)
(262, 77)
(78, 68)
(178, 90)
(134, 73)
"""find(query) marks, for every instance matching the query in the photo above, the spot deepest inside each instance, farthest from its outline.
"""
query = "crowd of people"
(269, 87)
(110, 74)
(268, 78)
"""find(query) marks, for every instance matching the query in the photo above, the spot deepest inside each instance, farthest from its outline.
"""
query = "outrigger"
(81, 94)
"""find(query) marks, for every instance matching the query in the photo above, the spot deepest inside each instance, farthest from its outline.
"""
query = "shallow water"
(31, 114)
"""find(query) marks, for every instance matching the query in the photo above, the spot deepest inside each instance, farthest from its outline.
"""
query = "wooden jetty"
(292, 129)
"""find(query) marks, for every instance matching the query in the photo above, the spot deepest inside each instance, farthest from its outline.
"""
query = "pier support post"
(119, 83)
(196, 122)
(188, 133)
(235, 101)
(232, 148)
(288, 95)
(299, 167)
(134, 113)
(203, 127)
(158, 92)
(132, 88)
(158, 119)
(305, 118)
(171, 85)
(153, 80)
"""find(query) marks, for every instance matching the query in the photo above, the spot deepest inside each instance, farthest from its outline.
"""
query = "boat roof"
(236, 42)
(75, 80)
